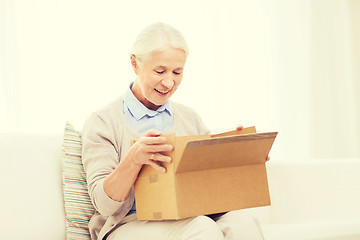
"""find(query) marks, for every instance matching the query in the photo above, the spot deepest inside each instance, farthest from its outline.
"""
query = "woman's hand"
(148, 150)
(240, 127)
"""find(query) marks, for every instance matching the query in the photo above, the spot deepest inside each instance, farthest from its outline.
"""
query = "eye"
(159, 72)
(177, 73)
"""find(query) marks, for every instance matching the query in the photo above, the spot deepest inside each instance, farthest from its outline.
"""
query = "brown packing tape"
(229, 139)
(153, 179)
(157, 215)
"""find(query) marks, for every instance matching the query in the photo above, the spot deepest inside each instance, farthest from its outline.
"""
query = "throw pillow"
(78, 206)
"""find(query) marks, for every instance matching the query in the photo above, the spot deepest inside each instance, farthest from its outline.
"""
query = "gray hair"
(155, 37)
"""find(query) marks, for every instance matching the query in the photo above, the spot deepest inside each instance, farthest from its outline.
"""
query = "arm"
(109, 180)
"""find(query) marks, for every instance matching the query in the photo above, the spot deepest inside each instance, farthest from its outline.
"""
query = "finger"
(239, 127)
(152, 140)
(153, 133)
(159, 148)
(156, 166)
(160, 157)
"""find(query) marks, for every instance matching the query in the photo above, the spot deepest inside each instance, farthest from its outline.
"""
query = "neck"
(136, 90)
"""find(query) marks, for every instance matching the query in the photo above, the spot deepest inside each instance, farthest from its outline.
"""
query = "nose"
(167, 82)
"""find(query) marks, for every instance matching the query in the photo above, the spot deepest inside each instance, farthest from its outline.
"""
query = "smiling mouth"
(162, 92)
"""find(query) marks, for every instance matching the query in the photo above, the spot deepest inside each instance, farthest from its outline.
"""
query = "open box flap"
(225, 152)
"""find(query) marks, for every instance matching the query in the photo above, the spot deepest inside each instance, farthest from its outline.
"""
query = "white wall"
(256, 62)
(335, 78)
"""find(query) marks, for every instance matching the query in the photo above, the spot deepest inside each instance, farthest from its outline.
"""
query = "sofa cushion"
(30, 186)
(78, 206)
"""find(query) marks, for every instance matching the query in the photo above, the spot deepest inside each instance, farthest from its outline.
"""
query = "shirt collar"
(138, 110)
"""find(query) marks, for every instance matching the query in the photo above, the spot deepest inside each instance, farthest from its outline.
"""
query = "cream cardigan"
(105, 140)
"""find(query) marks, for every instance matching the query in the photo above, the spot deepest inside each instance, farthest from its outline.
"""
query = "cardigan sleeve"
(100, 157)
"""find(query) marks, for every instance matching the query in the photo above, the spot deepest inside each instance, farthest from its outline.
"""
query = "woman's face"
(158, 76)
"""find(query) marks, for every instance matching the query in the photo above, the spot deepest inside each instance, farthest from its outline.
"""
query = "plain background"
(288, 66)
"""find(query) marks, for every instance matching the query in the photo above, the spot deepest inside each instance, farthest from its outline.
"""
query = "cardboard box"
(209, 174)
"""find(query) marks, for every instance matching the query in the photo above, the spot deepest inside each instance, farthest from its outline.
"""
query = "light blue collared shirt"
(142, 119)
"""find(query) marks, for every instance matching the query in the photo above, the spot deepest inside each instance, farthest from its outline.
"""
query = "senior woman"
(144, 112)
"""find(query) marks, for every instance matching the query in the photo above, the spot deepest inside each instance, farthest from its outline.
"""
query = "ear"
(134, 64)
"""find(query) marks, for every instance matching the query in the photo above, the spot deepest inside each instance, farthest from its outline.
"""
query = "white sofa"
(317, 199)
